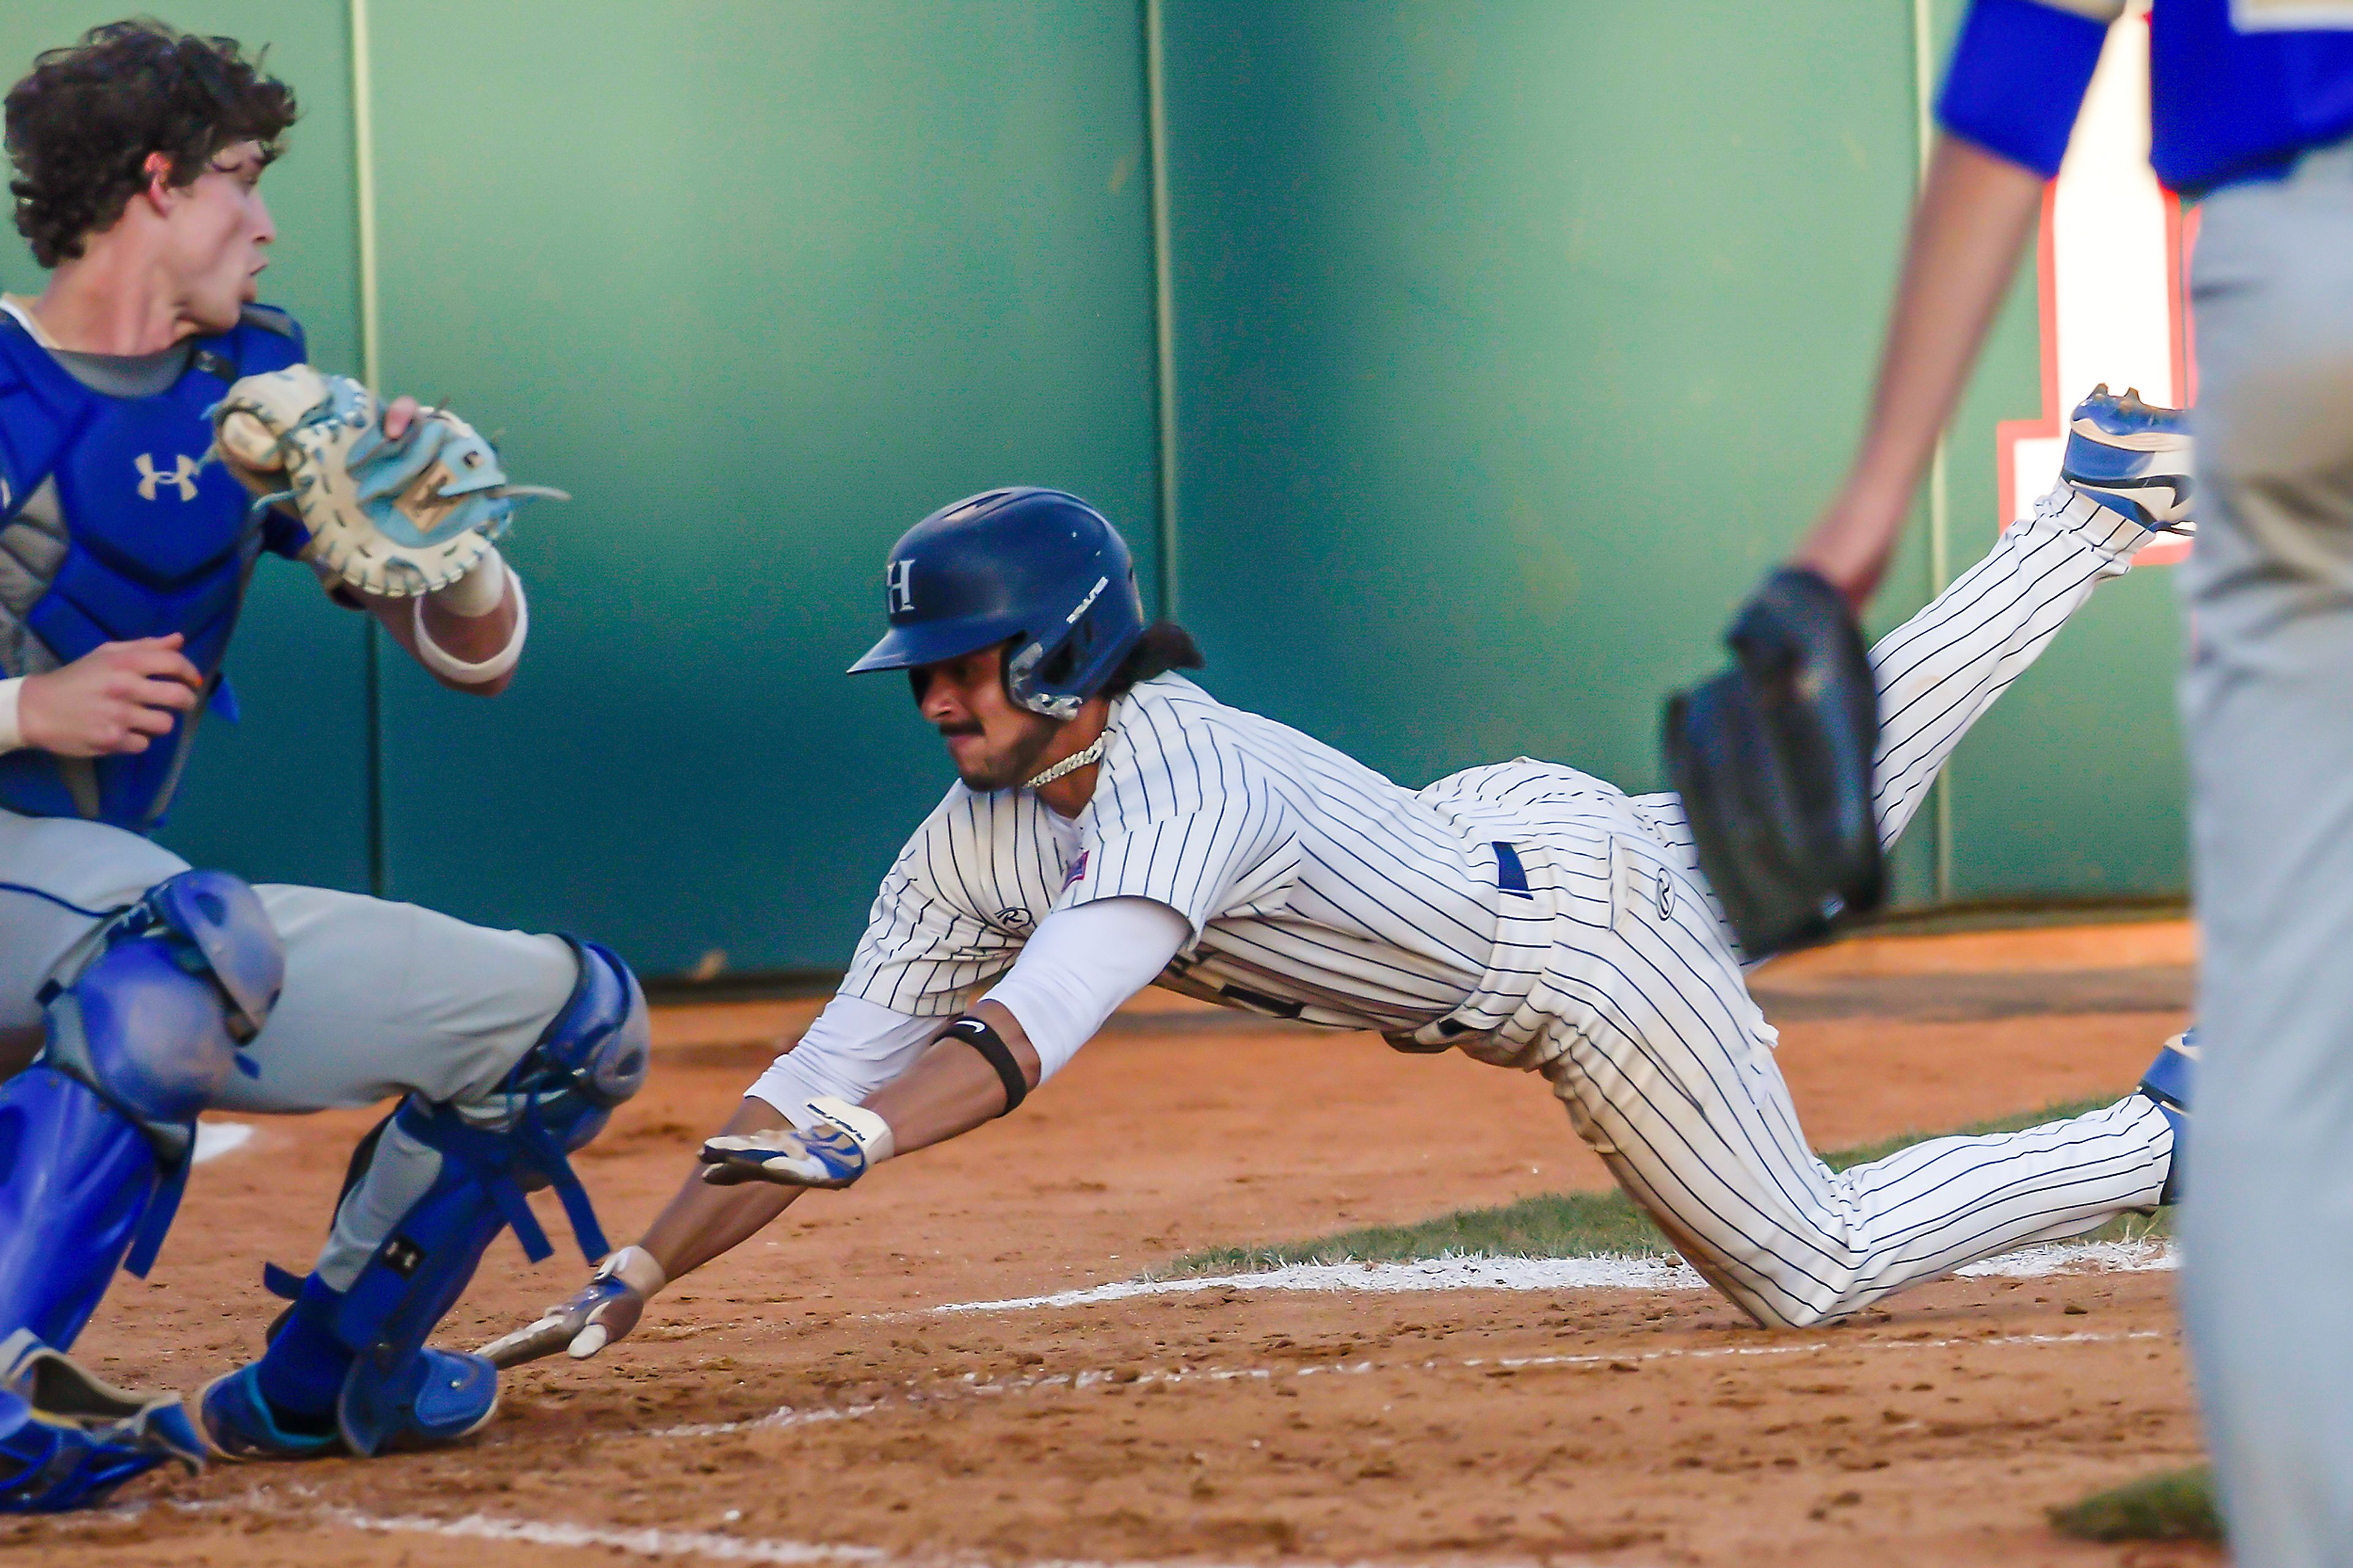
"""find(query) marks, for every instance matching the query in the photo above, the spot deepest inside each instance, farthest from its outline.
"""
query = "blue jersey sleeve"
(2018, 73)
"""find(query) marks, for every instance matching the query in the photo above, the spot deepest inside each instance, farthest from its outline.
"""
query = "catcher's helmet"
(1036, 565)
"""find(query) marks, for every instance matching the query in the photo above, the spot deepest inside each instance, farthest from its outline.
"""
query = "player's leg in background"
(1669, 1074)
(1943, 667)
(2267, 1215)
(508, 1051)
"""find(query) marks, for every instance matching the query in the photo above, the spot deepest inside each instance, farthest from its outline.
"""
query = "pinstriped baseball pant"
(1669, 1070)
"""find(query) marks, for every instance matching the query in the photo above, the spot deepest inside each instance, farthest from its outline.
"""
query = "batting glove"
(603, 1311)
(834, 1152)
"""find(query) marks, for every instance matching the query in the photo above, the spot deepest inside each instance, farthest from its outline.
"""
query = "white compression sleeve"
(465, 598)
(853, 1048)
(1080, 964)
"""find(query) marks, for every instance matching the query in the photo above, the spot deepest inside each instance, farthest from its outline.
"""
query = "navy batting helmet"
(1037, 566)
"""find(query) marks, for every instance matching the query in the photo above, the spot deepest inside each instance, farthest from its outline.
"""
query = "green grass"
(1569, 1225)
(2176, 1506)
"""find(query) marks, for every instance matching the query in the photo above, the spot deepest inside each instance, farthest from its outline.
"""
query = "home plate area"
(996, 1351)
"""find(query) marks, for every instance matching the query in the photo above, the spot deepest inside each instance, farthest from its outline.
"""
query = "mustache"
(969, 727)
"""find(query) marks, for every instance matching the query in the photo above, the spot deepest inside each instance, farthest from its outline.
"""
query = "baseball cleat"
(238, 1424)
(2170, 1082)
(431, 1398)
(2133, 458)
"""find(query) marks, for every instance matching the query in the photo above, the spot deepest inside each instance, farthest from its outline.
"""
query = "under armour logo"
(182, 474)
(900, 578)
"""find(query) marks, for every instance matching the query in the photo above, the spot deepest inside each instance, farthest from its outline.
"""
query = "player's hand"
(112, 702)
(399, 415)
(603, 1311)
(825, 1155)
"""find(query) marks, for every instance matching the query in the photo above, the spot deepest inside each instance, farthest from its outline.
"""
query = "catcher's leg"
(535, 1039)
(141, 1031)
(1943, 667)
(1670, 1076)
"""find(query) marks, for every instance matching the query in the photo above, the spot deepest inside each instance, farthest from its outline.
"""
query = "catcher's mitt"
(390, 518)
(1773, 759)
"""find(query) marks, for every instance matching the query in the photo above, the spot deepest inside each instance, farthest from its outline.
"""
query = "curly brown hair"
(81, 127)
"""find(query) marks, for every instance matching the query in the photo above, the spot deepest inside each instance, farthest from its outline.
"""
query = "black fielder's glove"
(1773, 759)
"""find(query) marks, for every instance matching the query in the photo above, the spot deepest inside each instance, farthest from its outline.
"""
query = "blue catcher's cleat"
(2133, 458)
(2169, 1081)
(435, 1397)
(438, 1397)
(68, 1438)
(239, 1424)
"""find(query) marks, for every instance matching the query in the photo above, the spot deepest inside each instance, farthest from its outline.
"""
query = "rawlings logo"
(1013, 918)
(183, 475)
(1092, 594)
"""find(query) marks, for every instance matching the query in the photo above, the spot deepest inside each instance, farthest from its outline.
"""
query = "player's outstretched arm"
(950, 1089)
(1077, 966)
(1974, 212)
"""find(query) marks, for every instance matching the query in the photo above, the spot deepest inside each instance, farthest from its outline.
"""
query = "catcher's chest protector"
(112, 526)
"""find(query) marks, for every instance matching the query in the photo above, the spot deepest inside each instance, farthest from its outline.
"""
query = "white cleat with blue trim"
(2133, 458)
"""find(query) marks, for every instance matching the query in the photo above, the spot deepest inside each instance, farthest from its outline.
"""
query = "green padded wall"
(282, 795)
(1514, 341)
(761, 284)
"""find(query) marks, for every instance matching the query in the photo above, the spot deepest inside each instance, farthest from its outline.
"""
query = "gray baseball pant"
(381, 998)
(2267, 1222)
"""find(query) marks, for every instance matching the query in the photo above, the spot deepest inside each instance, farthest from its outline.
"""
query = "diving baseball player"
(1115, 827)
(143, 992)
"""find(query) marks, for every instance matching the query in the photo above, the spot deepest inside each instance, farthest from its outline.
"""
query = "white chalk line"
(971, 1386)
(649, 1543)
(656, 1542)
(1607, 1273)
(214, 1139)
(297, 1503)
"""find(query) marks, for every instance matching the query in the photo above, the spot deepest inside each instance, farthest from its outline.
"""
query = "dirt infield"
(800, 1403)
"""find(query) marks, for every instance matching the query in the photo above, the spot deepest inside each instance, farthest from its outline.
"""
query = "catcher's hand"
(603, 1311)
(1774, 761)
(391, 516)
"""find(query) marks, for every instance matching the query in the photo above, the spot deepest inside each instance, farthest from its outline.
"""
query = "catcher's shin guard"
(95, 1136)
(67, 1439)
(363, 1348)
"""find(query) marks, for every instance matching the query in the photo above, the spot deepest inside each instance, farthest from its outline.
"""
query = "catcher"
(1115, 826)
(136, 993)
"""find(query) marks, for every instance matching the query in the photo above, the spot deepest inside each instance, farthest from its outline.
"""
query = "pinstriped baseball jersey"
(1536, 917)
(1317, 888)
